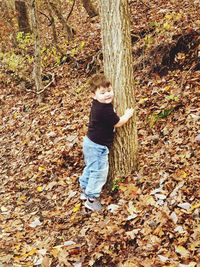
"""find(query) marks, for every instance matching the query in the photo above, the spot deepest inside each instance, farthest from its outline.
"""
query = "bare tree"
(37, 71)
(89, 8)
(117, 55)
(22, 16)
(50, 11)
(68, 30)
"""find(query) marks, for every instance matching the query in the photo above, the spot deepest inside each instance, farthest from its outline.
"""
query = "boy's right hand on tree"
(129, 113)
(123, 119)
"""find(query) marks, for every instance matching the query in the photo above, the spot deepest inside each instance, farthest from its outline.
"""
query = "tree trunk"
(37, 71)
(89, 8)
(117, 55)
(23, 22)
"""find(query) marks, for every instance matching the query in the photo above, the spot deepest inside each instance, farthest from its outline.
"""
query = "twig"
(50, 20)
(70, 12)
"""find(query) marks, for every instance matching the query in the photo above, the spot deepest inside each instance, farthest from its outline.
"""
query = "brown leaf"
(46, 262)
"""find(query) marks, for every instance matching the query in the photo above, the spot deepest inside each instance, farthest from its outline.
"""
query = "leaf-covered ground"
(152, 220)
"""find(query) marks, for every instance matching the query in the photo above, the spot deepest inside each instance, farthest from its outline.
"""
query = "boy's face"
(104, 95)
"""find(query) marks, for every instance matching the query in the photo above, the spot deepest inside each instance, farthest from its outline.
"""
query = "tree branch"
(72, 7)
(50, 20)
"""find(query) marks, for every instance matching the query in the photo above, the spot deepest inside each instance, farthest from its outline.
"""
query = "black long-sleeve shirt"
(101, 123)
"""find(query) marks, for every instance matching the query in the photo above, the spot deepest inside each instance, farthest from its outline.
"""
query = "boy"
(99, 138)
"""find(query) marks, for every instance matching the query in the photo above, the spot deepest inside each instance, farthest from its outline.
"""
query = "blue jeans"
(96, 170)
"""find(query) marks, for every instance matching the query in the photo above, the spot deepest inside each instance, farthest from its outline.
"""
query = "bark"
(117, 54)
(89, 8)
(22, 16)
(37, 71)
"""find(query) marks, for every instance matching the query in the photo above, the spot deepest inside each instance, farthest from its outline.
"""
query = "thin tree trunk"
(117, 55)
(37, 71)
(89, 8)
(22, 16)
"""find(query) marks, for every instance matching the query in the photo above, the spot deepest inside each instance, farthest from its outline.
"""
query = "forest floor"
(151, 219)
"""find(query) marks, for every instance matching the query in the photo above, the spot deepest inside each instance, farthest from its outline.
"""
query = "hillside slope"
(149, 219)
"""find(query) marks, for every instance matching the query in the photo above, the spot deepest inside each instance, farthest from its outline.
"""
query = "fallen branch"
(41, 91)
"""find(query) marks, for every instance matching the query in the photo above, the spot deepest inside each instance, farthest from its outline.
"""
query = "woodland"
(151, 217)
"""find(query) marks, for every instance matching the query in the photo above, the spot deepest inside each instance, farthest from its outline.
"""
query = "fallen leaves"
(129, 190)
(153, 219)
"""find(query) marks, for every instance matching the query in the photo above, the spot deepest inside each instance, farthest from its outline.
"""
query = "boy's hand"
(123, 119)
(129, 113)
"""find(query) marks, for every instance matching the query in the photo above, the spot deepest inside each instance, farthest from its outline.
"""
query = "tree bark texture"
(89, 8)
(22, 16)
(37, 71)
(117, 56)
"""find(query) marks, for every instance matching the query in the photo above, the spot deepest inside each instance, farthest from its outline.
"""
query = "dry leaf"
(185, 206)
(46, 262)
(182, 251)
(113, 208)
(163, 258)
(41, 168)
(35, 223)
(174, 217)
(77, 207)
(39, 189)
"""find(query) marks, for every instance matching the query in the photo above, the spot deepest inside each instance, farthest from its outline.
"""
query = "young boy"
(98, 140)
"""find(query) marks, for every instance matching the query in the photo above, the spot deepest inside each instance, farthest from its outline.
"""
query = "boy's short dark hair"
(97, 81)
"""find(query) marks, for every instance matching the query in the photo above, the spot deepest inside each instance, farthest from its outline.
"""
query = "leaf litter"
(152, 220)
